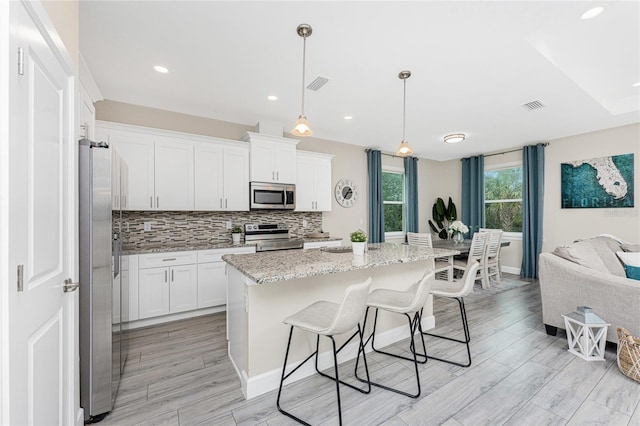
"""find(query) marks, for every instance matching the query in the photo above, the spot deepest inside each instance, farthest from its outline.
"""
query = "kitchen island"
(265, 288)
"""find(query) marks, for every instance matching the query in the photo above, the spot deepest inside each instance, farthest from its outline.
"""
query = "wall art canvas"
(604, 182)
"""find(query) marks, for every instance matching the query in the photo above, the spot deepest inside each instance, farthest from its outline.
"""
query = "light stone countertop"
(200, 245)
(270, 267)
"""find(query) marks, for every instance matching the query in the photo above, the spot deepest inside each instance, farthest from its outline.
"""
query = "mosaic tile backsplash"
(205, 227)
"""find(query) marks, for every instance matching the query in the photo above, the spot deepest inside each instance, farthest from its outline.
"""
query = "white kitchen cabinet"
(212, 278)
(320, 244)
(313, 182)
(221, 177)
(167, 283)
(272, 159)
(174, 174)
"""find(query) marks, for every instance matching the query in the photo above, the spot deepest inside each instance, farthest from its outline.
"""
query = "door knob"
(69, 285)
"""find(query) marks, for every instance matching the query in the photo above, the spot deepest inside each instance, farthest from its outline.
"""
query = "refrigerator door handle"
(116, 255)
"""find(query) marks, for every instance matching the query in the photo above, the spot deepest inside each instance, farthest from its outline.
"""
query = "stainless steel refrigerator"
(99, 330)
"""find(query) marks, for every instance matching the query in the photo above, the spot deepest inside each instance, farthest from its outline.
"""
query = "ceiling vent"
(317, 83)
(534, 105)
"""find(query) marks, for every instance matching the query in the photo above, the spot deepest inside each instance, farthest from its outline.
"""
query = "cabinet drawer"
(155, 260)
(319, 244)
(215, 255)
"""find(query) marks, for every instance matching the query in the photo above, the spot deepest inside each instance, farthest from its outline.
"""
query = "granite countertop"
(165, 248)
(200, 245)
(269, 267)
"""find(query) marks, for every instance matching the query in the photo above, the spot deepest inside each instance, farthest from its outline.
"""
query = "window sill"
(512, 236)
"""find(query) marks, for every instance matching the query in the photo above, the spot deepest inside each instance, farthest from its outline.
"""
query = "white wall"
(563, 226)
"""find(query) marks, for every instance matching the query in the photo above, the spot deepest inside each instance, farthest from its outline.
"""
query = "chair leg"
(360, 334)
(414, 324)
(467, 336)
(283, 377)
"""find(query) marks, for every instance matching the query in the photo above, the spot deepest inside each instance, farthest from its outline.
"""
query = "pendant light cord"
(304, 56)
(404, 107)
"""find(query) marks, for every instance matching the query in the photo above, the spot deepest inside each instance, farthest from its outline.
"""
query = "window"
(503, 197)
(393, 197)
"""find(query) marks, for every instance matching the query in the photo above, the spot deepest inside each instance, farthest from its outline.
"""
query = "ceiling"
(474, 64)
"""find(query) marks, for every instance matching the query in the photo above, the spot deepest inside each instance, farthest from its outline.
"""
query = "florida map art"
(603, 182)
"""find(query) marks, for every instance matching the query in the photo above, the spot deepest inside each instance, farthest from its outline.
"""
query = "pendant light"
(302, 127)
(404, 149)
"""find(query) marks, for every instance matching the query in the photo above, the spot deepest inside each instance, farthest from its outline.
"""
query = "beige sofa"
(588, 273)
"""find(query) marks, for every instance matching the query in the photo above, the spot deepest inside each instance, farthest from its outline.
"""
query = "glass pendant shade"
(302, 127)
(404, 149)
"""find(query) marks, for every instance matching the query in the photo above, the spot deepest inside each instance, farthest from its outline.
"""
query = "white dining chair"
(492, 258)
(443, 266)
(477, 253)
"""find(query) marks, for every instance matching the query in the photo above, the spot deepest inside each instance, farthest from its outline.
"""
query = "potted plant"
(457, 228)
(358, 242)
(236, 232)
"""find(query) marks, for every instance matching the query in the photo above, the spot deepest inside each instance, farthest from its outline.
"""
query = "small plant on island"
(236, 230)
(358, 237)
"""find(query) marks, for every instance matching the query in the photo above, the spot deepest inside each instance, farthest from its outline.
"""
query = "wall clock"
(346, 193)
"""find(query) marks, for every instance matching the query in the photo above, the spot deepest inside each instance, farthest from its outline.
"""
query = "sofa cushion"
(631, 263)
(606, 248)
(631, 247)
(583, 254)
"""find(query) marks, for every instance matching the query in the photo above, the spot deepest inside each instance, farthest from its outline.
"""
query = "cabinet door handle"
(151, 202)
(124, 204)
(157, 202)
(225, 203)
(168, 259)
(165, 276)
(220, 202)
(277, 176)
(273, 175)
(172, 275)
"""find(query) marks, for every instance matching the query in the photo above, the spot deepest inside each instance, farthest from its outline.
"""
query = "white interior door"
(41, 319)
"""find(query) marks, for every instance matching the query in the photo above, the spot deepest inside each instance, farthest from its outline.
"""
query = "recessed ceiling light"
(272, 98)
(592, 13)
(454, 138)
(348, 117)
(161, 69)
(636, 84)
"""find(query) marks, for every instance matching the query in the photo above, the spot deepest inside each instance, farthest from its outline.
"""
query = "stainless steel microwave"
(272, 196)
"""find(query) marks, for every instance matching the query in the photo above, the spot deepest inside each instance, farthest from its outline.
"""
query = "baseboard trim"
(174, 317)
(510, 270)
(270, 380)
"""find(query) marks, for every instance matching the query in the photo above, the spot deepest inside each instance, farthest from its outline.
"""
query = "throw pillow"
(631, 247)
(631, 263)
(583, 254)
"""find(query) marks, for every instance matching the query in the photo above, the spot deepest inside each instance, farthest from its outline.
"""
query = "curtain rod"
(513, 150)
(388, 154)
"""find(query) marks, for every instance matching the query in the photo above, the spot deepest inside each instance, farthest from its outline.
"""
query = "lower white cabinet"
(167, 289)
(174, 282)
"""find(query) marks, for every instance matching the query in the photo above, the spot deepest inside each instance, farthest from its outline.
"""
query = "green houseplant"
(358, 242)
(443, 216)
(236, 232)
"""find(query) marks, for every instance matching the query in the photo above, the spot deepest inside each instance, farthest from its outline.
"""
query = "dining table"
(462, 247)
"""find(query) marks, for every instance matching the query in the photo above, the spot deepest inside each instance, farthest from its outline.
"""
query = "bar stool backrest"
(421, 291)
(468, 278)
(351, 309)
(419, 239)
(478, 246)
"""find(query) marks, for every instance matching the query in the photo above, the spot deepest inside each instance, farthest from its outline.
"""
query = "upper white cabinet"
(313, 182)
(178, 171)
(174, 174)
(273, 159)
(221, 176)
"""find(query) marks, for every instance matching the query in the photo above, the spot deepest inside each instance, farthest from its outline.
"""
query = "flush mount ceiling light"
(636, 84)
(348, 117)
(302, 127)
(592, 13)
(404, 149)
(161, 69)
(455, 138)
(272, 98)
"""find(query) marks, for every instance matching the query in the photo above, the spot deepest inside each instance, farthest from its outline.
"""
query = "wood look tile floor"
(179, 374)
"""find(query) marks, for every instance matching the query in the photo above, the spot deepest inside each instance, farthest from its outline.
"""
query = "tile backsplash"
(175, 227)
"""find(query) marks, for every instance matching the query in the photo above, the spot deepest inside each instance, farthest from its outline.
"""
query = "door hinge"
(20, 277)
(20, 61)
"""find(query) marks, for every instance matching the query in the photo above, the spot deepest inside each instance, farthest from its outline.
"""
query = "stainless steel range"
(271, 236)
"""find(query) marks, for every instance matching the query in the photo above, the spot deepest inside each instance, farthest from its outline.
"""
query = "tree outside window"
(393, 197)
(503, 198)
